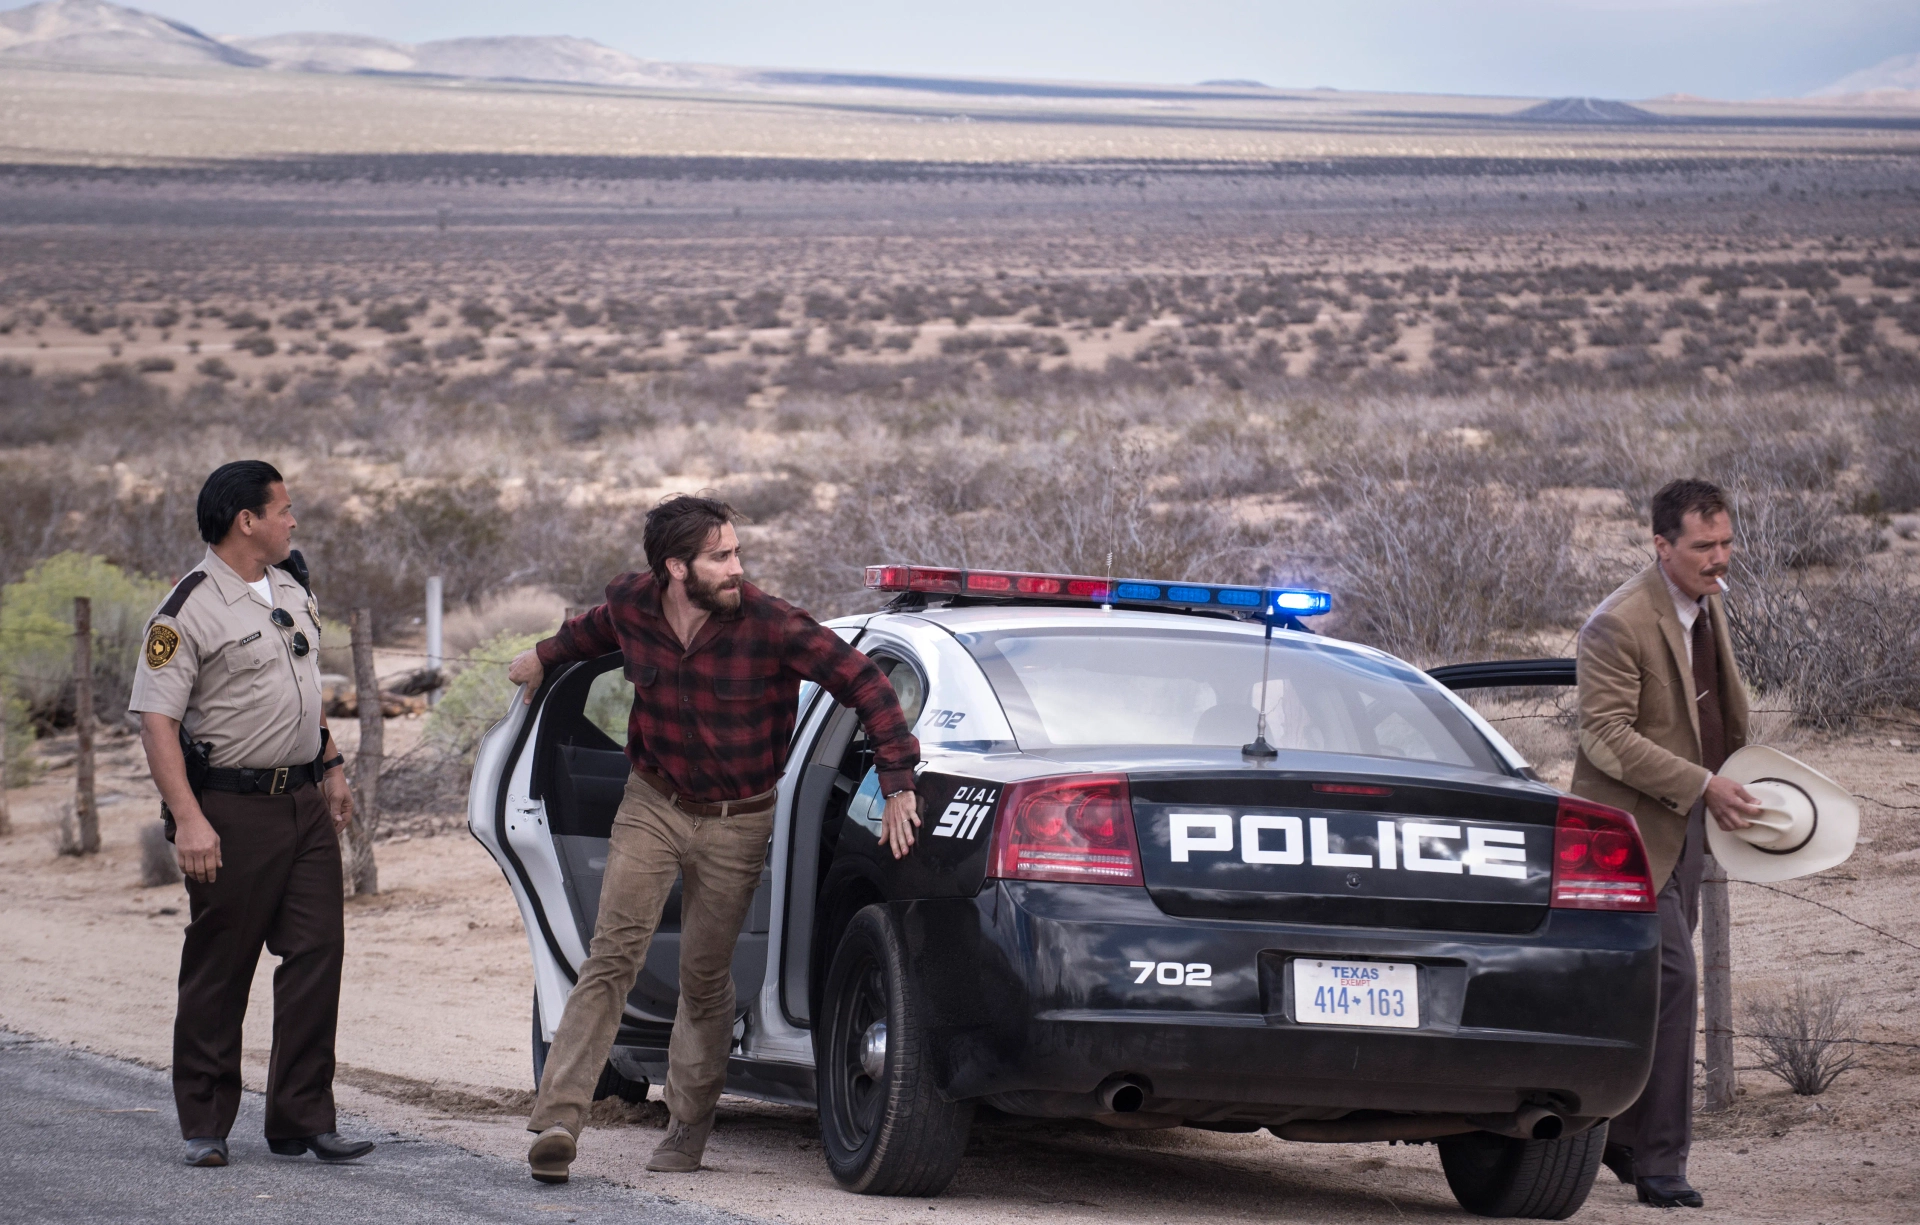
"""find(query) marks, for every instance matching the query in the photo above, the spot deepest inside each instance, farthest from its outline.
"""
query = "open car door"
(557, 773)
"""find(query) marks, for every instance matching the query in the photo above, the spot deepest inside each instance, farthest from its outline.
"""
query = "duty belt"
(698, 808)
(275, 780)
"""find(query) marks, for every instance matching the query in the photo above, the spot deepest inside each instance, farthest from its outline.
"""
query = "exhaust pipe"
(1121, 1095)
(1528, 1123)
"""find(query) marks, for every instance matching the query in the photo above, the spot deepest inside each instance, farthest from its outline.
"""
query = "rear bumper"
(1032, 1003)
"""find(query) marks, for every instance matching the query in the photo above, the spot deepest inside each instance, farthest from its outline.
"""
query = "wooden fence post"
(1716, 945)
(363, 876)
(86, 814)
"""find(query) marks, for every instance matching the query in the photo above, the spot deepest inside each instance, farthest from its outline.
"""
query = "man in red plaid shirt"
(716, 666)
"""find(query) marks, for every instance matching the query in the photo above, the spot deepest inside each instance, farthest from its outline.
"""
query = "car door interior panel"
(581, 770)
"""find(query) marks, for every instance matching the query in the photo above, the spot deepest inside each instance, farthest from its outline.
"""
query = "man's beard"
(722, 597)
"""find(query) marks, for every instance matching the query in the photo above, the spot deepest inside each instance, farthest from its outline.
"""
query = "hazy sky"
(1605, 48)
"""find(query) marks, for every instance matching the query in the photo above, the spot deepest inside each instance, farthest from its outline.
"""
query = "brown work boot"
(680, 1152)
(552, 1152)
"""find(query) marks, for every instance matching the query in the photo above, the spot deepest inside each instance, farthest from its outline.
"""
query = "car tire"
(893, 1134)
(613, 1083)
(1544, 1179)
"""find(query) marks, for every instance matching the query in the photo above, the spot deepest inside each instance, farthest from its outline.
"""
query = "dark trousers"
(278, 885)
(1659, 1127)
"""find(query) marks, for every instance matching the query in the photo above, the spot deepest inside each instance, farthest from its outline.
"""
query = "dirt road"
(433, 1044)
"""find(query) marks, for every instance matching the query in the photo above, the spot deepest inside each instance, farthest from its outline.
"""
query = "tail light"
(1078, 828)
(1599, 862)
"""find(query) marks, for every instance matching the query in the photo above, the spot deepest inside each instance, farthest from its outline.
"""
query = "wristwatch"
(328, 765)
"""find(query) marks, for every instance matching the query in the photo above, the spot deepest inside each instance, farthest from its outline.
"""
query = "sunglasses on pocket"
(284, 619)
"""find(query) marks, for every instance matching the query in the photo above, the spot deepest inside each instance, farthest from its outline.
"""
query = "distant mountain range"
(99, 32)
(1891, 82)
(93, 32)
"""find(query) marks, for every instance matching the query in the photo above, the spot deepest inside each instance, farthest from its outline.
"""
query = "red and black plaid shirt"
(715, 719)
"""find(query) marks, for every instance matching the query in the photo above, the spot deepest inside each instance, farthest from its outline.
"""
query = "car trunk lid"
(1350, 848)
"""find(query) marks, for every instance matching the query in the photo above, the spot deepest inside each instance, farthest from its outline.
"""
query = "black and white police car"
(1183, 864)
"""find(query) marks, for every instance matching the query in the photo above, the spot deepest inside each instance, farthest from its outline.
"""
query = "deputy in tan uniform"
(231, 657)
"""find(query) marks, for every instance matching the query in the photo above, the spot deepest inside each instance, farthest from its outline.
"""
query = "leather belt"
(275, 780)
(699, 808)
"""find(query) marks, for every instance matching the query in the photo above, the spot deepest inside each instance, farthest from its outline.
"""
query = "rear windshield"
(1069, 687)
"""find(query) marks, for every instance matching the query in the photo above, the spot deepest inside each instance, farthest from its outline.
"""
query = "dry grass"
(1448, 526)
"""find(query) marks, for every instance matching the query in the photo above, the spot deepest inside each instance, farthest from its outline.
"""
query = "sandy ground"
(433, 1041)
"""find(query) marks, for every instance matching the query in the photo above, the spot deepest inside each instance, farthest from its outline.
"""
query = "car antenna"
(1106, 604)
(1260, 748)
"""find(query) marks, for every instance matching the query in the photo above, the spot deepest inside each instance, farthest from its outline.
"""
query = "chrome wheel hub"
(873, 1049)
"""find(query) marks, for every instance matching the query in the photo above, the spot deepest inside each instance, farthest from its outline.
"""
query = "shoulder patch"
(178, 599)
(162, 642)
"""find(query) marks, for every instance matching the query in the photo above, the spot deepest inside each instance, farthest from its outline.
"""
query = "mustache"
(1714, 571)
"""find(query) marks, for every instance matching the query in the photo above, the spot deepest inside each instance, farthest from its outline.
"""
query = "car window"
(907, 687)
(609, 700)
(1069, 687)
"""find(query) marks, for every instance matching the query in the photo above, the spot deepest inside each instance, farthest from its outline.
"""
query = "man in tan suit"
(1661, 707)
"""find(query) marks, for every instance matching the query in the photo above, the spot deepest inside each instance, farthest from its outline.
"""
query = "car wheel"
(1546, 1179)
(884, 1126)
(612, 1082)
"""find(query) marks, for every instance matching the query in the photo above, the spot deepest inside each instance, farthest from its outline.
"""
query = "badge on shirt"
(162, 642)
(313, 615)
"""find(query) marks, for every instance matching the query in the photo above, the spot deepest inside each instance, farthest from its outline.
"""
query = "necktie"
(1706, 688)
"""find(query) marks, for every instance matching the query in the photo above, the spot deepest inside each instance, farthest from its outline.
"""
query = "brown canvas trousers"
(719, 859)
(279, 885)
(1659, 1126)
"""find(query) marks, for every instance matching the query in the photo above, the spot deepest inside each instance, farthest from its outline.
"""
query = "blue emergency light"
(1280, 606)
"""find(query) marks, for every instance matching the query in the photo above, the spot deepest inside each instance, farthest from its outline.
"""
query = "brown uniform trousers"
(719, 860)
(278, 885)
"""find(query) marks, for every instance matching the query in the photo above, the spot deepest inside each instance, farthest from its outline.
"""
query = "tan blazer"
(1639, 723)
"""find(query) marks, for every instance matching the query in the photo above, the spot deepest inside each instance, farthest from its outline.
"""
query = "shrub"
(1433, 569)
(1894, 459)
(477, 697)
(36, 633)
(1084, 511)
(1804, 1038)
(1812, 616)
(389, 317)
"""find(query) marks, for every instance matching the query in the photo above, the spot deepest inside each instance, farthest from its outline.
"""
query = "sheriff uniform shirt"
(216, 661)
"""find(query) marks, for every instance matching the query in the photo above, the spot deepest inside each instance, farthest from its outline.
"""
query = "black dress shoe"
(1668, 1191)
(1619, 1159)
(327, 1146)
(207, 1151)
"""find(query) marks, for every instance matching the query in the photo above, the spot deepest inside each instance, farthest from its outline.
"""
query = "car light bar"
(1274, 603)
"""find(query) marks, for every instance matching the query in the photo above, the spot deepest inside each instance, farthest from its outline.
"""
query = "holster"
(198, 756)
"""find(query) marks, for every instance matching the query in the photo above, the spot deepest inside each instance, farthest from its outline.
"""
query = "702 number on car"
(1173, 973)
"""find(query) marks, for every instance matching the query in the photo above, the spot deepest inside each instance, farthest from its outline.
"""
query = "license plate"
(1379, 993)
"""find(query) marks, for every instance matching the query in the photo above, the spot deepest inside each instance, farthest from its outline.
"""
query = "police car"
(1184, 863)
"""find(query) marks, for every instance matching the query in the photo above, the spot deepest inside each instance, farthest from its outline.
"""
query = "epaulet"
(178, 599)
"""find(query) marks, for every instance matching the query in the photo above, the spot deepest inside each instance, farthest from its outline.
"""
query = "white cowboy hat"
(1807, 822)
